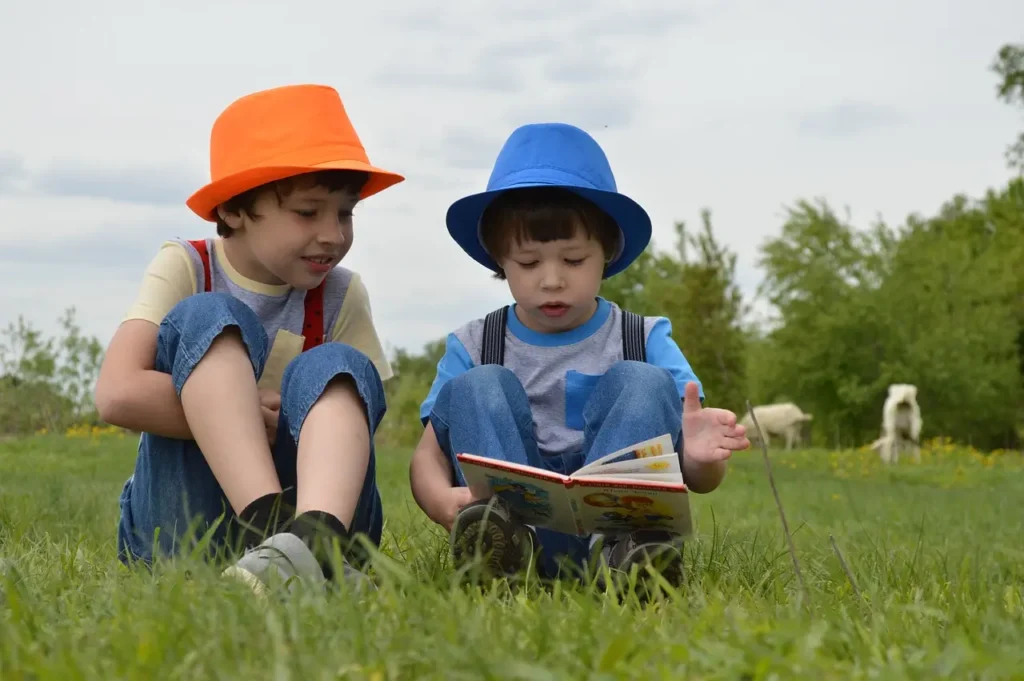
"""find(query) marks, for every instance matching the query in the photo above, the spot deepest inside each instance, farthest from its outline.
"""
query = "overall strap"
(634, 346)
(313, 317)
(313, 314)
(493, 351)
(204, 255)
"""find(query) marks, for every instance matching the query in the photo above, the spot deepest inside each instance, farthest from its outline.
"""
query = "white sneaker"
(282, 559)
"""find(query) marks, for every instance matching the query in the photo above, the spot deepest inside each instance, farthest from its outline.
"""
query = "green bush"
(47, 383)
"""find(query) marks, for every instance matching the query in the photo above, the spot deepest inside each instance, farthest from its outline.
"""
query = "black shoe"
(505, 544)
(662, 550)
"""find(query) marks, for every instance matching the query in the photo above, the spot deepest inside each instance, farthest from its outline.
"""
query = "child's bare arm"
(703, 477)
(130, 394)
(430, 476)
(710, 436)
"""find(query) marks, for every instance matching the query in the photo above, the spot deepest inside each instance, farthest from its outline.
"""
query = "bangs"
(332, 180)
(544, 214)
(541, 222)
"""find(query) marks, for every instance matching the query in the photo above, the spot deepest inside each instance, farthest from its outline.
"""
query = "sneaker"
(662, 550)
(360, 582)
(505, 545)
(323, 534)
(281, 560)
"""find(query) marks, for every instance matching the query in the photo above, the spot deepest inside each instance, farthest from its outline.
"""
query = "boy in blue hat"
(562, 376)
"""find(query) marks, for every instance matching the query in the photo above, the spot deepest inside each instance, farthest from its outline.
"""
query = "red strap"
(313, 316)
(204, 255)
(313, 321)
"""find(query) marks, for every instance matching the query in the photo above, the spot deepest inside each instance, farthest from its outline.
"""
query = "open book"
(639, 487)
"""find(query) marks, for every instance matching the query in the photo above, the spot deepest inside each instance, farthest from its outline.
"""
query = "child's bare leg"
(332, 401)
(333, 452)
(222, 406)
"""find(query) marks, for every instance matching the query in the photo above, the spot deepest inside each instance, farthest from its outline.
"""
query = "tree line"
(937, 302)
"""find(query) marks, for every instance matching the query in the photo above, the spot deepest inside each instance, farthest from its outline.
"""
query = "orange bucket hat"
(278, 133)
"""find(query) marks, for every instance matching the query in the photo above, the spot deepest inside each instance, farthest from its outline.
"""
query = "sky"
(739, 106)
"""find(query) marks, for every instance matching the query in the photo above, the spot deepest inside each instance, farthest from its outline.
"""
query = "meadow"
(934, 550)
(911, 571)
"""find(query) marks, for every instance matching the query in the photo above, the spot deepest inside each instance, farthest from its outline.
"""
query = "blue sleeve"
(455, 361)
(662, 351)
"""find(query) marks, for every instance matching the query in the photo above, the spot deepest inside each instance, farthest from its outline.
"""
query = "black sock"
(263, 517)
(319, 530)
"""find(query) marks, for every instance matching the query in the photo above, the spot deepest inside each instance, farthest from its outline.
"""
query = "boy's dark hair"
(543, 214)
(332, 180)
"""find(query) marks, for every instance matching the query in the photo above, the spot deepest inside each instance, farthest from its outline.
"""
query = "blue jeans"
(173, 489)
(486, 411)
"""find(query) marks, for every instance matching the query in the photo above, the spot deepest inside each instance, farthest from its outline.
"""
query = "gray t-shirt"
(559, 370)
(284, 311)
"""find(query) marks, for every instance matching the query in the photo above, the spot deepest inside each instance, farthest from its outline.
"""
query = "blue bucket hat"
(553, 155)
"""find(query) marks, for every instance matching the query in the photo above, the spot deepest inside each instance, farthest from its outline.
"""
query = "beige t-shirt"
(176, 273)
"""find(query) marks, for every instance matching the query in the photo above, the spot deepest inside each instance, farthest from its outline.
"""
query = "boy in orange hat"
(250, 363)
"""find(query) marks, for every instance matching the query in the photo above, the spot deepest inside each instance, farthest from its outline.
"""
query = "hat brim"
(463, 220)
(205, 201)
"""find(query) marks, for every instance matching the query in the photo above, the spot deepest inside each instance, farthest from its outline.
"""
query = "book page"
(615, 506)
(657, 446)
(662, 478)
(536, 496)
(665, 466)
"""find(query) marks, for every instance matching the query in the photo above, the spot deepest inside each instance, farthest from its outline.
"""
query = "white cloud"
(740, 106)
(847, 119)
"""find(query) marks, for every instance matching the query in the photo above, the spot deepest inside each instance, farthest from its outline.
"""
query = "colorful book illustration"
(637, 488)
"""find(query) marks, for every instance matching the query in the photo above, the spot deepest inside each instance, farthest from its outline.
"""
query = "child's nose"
(333, 232)
(552, 277)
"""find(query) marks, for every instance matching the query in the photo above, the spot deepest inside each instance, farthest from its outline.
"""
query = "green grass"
(935, 548)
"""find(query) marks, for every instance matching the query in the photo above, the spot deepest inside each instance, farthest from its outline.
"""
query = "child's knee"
(490, 386)
(485, 375)
(640, 378)
(634, 391)
(331, 367)
(192, 326)
(205, 309)
(632, 373)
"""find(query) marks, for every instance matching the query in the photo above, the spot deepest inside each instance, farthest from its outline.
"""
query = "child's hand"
(709, 435)
(449, 504)
(270, 408)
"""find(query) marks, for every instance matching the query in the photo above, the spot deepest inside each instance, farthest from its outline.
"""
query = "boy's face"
(555, 283)
(295, 242)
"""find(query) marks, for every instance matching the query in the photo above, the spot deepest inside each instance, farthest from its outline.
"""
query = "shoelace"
(280, 553)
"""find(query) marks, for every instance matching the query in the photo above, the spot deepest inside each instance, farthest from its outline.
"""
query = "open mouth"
(320, 260)
(554, 309)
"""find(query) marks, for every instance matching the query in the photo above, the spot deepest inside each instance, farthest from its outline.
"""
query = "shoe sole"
(486, 526)
(666, 560)
(249, 579)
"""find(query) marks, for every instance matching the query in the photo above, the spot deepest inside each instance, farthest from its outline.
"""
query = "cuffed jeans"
(485, 411)
(173, 491)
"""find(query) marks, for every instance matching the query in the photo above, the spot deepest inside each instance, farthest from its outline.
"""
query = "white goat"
(901, 424)
(783, 419)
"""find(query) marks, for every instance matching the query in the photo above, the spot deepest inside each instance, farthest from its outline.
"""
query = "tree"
(937, 303)
(1009, 66)
(694, 287)
(949, 303)
(46, 382)
(825, 346)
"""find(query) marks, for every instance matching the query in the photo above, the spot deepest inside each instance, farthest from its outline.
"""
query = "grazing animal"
(785, 420)
(901, 424)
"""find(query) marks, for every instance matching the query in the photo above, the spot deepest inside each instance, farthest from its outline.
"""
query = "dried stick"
(778, 503)
(846, 568)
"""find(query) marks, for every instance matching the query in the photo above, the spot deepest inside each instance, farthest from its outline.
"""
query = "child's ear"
(232, 220)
